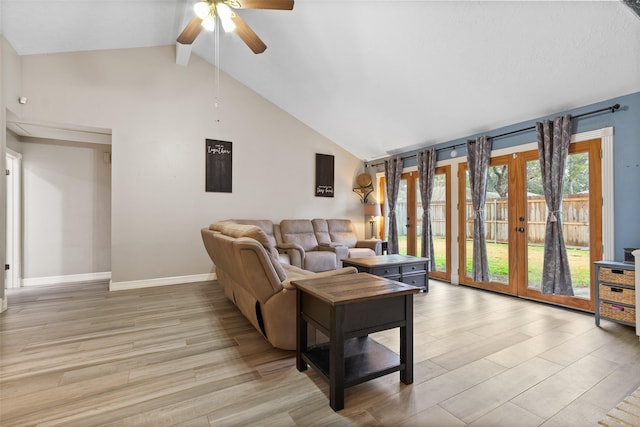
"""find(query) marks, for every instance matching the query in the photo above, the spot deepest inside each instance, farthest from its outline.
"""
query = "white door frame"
(14, 214)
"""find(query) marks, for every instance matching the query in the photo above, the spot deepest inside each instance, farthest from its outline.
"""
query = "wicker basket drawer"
(617, 294)
(619, 276)
(618, 312)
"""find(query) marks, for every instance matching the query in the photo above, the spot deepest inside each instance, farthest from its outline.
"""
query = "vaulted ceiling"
(379, 76)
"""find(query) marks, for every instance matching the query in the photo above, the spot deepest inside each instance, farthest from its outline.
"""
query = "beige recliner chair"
(300, 242)
(342, 232)
(248, 269)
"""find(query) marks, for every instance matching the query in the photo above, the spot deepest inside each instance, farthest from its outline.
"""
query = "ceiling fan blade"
(247, 35)
(261, 4)
(191, 31)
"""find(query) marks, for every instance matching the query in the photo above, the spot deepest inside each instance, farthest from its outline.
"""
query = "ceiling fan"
(207, 11)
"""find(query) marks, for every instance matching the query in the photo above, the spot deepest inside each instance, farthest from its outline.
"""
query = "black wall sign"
(218, 164)
(324, 175)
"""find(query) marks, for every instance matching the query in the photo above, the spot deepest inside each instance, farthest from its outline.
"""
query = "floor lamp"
(372, 210)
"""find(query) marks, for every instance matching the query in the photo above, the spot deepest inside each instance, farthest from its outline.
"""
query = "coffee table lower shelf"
(364, 359)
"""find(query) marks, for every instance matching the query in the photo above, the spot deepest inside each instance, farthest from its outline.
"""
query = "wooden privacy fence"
(575, 211)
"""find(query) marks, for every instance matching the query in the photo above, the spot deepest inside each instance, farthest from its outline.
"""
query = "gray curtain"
(392, 176)
(553, 149)
(426, 173)
(478, 154)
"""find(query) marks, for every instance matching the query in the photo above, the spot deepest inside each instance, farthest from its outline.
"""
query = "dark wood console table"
(346, 309)
(403, 268)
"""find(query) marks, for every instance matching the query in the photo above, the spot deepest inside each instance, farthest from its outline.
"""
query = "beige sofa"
(253, 278)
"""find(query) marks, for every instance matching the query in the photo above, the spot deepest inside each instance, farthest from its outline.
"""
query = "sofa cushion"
(321, 229)
(341, 231)
(300, 232)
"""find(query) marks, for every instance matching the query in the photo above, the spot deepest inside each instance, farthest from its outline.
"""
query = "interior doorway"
(60, 195)
(13, 215)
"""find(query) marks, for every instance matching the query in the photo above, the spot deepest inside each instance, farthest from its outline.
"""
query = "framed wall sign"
(324, 175)
(218, 166)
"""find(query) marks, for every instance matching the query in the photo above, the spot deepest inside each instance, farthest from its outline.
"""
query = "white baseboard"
(70, 278)
(161, 281)
(3, 304)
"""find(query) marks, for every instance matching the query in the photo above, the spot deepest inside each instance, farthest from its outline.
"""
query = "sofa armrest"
(329, 246)
(339, 249)
(288, 286)
(374, 244)
(295, 252)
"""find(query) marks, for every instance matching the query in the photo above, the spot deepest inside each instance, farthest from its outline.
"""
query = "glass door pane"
(576, 223)
(496, 214)
(575, 203)
(497, 222)
(439, 223)
(405, 213)
(536, 222)
(401, 217)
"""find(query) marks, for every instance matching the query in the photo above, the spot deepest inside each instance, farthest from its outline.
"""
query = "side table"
(346, 309)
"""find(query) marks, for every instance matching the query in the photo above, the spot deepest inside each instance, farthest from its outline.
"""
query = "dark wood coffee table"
(407, 269)
(346, 309)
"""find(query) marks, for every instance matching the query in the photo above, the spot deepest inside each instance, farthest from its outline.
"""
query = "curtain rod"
(611, 109)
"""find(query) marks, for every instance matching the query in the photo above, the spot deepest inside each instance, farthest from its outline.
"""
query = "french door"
(515, 219)
(409, 211)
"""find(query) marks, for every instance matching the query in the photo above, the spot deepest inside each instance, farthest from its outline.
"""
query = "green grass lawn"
(579, 262)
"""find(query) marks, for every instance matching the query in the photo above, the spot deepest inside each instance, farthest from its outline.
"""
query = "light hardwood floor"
(78, 355)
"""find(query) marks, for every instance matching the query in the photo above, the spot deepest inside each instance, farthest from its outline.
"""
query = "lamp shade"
(372, 209)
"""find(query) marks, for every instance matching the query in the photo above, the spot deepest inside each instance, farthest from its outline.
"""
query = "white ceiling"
(379, 76)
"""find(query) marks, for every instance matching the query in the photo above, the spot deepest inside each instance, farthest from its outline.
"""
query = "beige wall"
(11, 78)
(160, 115)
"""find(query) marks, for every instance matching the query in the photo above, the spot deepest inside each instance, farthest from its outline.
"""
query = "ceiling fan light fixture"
(209, 23)
(208, 11)
(224, 12)
(202, 9)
